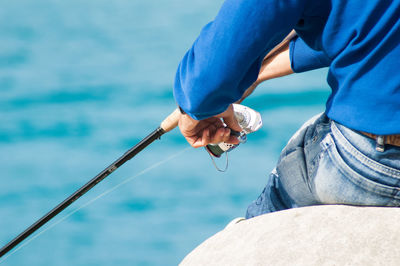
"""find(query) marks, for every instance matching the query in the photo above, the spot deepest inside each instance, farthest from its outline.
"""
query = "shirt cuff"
(303, 58)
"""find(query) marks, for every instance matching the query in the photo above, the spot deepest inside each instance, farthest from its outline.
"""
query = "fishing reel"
(249, 120)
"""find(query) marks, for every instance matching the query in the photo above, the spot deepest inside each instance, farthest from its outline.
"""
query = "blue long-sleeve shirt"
(358, 39)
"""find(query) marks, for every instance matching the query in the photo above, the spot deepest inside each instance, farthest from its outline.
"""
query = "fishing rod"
(252, 123)
(167, 125)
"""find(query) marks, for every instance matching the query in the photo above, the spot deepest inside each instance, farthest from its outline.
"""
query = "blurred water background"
(80, 83)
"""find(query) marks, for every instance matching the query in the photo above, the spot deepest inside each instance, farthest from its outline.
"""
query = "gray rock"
(318, 235)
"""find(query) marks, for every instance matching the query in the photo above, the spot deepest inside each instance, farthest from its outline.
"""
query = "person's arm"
(293, 55)
(276, 64)
(225, 60)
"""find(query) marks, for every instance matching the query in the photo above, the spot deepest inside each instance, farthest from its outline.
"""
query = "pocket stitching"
(357, 178)
(384, 169)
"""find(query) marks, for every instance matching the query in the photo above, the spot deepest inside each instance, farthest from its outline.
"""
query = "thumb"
(230, 120)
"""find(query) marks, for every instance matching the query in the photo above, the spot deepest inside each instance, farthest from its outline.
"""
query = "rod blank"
(167, 125)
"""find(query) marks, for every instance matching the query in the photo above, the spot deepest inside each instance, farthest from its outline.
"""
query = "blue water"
(83, 81)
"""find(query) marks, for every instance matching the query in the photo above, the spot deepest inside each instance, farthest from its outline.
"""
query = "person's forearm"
(292, 55)
(276, 64)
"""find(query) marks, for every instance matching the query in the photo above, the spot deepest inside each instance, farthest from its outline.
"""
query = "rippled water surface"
(83, 81)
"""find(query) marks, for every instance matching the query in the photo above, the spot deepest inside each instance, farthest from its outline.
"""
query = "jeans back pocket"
(345, 179)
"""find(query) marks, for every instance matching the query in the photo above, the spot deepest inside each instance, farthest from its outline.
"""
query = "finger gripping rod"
(167, 125)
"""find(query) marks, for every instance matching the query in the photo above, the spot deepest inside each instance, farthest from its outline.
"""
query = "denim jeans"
(328, 163)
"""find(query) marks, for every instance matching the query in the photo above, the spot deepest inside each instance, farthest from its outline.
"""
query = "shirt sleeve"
(303, 58)
(226, 57)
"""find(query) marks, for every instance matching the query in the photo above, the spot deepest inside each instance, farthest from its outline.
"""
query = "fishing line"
(93, 200)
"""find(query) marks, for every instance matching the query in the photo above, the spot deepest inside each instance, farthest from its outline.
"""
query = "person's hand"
(199, 133)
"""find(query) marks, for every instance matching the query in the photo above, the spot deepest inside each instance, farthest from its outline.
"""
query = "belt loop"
(380, 143)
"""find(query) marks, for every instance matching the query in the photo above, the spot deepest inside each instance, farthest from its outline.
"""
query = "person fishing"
(350, 154)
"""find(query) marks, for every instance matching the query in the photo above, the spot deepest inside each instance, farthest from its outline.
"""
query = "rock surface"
(318, 235)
